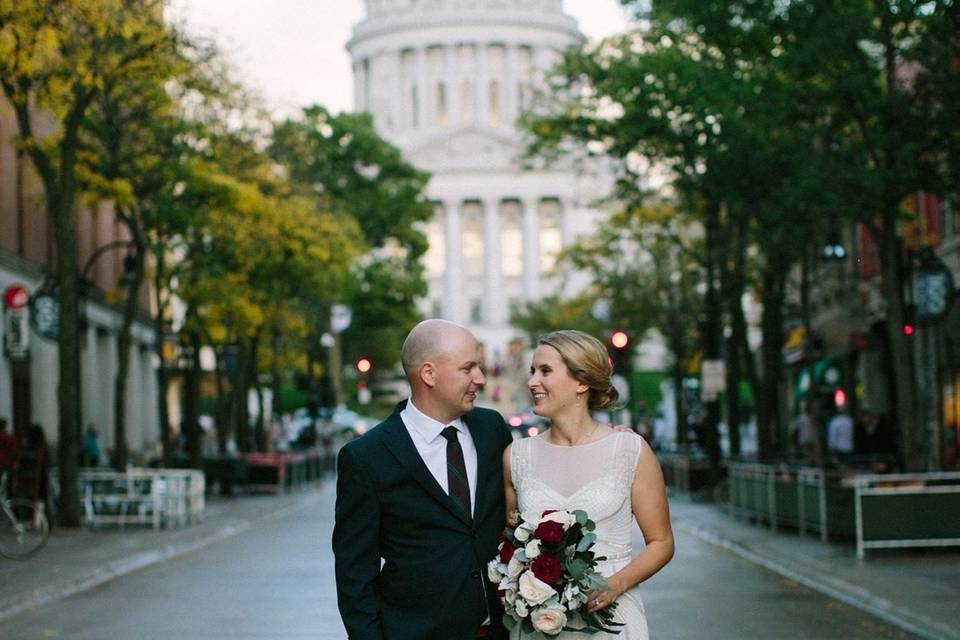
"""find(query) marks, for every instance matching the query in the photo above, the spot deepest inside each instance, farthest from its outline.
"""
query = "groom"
(420, 503)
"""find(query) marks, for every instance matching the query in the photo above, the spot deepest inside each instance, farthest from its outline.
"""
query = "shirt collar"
(425, 426)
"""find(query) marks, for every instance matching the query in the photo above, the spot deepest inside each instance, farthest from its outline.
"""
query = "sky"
(292, 52)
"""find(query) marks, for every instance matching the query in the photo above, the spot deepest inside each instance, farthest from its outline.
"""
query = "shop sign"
(933, 287)
(16, 333)
(45, 311)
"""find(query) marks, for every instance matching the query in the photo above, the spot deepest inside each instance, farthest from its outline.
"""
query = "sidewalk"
(915, 589)
(74, 561)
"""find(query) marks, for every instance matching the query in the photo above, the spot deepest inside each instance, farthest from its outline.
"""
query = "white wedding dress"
(597, 478)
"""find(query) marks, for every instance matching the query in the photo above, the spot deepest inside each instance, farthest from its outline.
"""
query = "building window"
(466, 100)
(494, 107)
(365, 100)
(473, 248)
(551, 240)
(476, 311)
(414, 108)
(433, 261)
(511, 240)
(441, 104)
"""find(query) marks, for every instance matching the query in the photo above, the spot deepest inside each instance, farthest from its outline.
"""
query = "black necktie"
(457, 484)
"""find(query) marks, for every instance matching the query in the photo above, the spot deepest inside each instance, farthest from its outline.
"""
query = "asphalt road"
(275, 581)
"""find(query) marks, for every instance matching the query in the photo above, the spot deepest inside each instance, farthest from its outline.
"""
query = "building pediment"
(467, 149)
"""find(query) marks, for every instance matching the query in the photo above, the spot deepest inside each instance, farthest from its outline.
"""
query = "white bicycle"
(23, 528)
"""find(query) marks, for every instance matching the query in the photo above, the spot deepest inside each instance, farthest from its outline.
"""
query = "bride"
(581, 464)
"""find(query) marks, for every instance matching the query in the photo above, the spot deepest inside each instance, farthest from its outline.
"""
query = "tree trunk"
(159, 329)
(769, 421)
(68, 353)
(124, 340)
(223, 410)
(912, 441)
(191, 392)
(712, 330)
(732, 285)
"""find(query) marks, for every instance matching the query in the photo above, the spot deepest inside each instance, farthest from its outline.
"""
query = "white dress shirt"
(432, 447)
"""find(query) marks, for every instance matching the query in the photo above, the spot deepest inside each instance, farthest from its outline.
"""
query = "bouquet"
(544, 571)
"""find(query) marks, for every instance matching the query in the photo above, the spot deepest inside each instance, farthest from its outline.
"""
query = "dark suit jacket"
(433, 580)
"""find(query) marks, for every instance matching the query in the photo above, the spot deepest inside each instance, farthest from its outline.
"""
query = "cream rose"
(563, 517)
(549, 620)
(534, 590)
(532, 549)
(522, 533)
(515, 567)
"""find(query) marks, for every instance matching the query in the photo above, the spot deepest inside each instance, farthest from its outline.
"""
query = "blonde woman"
(580, 463)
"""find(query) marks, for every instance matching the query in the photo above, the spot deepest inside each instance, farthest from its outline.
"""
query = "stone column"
(531, 249)
(510, 91)
(494, 304)
(453, 261)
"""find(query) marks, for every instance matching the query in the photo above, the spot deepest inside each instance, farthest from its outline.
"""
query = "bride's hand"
(598, 600)
(513, 518)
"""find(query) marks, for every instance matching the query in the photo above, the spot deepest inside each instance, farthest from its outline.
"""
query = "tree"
(346, 166)
(54, 60)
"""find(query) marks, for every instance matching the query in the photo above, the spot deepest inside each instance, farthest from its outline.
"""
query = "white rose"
(532, 549)
(522, 533)
(549, 620)
(563, 517)
(534, 590)
(510, 596)
(494, 573)
(521, 608)
(515, 567)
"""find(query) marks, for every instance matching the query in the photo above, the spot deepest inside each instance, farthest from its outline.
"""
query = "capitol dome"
(445, 80)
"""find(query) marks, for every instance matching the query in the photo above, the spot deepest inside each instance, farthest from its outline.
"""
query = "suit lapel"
(400, 444)
(487, 459)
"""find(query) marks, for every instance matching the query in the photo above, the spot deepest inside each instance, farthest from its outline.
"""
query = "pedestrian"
(91, 447)
(840, 434)
(420, 504)
(9, 447)
(805, 434)
(33, 469)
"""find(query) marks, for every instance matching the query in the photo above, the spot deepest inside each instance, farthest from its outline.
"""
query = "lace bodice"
(596, 477)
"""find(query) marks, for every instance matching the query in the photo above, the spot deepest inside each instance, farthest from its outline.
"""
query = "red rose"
(550, 531)
(546, 567)
(506, 552)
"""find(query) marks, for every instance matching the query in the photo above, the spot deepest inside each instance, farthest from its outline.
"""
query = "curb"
(835, 588)
(140, 560)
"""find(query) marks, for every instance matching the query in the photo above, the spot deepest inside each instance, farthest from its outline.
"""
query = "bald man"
(420, 503)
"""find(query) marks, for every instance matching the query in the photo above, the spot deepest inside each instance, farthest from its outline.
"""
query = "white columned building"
(445, 81)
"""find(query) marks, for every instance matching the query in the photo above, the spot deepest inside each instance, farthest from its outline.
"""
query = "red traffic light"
(908, 329)
(364, 365)
(619, 339)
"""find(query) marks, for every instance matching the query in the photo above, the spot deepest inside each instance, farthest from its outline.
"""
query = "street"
(275, 580)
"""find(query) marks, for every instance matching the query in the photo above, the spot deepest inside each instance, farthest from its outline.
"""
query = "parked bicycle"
(23, 527)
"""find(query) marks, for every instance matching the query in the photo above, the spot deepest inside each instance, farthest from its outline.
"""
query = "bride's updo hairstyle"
(588, 363)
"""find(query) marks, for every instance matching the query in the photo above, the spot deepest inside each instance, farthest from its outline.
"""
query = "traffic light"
(909, 322)
(364, 365)
(619, 351)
